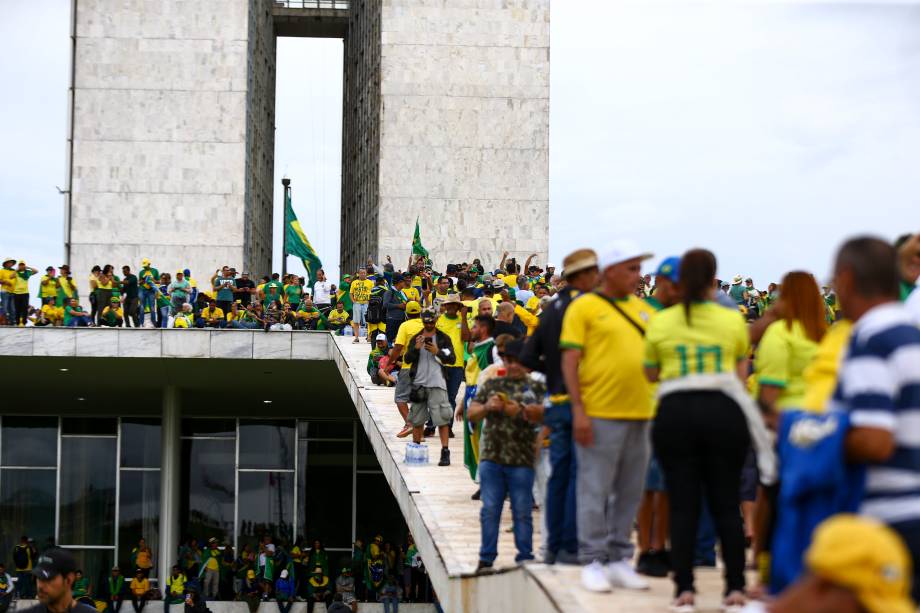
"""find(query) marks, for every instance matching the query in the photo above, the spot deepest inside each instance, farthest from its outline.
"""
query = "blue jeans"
(560, 489)
(390, 603)
(6, 304)
(148, 298)
(79, 321)
(495, 482)
(359, 314)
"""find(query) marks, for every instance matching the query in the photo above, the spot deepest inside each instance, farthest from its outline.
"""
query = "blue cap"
(670, 269)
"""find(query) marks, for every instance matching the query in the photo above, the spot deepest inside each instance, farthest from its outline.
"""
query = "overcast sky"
(765, 131)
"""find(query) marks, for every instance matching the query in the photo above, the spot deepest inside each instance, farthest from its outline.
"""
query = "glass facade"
(93, 485)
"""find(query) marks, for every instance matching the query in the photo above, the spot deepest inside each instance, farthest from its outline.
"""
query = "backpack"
(375, 308)
(21, 557)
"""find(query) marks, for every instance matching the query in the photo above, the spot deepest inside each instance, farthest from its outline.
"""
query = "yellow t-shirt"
(411, 294)
(714, 342)
(336, 317)
(533, 303)
(781, 358)
(361, 291)
(207, 313)
(48, 287)
(212, 563)
(7, 279)
(52, 312)
(529, 319)
(20, 285)
(407, 330)
(613, 383)
(139, 588)
(510, 280)
(452, 327)
(820, 375)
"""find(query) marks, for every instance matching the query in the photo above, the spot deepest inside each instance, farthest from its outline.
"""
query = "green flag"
(417, 248)
(295, 241)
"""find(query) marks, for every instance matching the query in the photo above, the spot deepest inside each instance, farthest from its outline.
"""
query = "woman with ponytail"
(698, 350)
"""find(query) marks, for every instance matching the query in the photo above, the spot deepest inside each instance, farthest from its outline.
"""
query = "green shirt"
(80, 587)
(293, 293)
(70, 312)
(148, 278)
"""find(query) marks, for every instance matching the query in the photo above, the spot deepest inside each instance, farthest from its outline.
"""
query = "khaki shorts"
(437, 406)
(403, 386)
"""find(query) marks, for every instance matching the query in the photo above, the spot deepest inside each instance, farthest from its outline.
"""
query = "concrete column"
(170, 448)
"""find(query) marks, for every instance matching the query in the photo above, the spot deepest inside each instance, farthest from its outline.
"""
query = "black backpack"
(20, 557)
(375, 308)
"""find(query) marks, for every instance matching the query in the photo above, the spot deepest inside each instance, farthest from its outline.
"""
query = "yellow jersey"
(714, 341)
(453, 327)
(613, 383)
(336, 317)
(215, 313)
(361, 291)
(7, 279)
(48, 287)
(407, 330)
(820, 376)
(780, 360)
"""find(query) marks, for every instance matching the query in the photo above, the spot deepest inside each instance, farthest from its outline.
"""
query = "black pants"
(701, 440)
(138, 603)
(131, 306)
(21, 304)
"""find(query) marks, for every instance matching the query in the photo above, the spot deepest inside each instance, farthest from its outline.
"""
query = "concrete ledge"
(169, 343)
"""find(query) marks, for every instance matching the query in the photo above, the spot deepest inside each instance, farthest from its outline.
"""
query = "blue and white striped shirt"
(879, 384)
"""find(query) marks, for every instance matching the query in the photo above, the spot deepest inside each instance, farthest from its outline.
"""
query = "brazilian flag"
(417, 248)
(295, 241)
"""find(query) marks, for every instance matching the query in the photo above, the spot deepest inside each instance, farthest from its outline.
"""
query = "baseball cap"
(145, 262)
(865, 557)
(514, 348)
(413, 308)
(622, 251)
(54, 562)
(429, 315)
(669, 269)
(49, 268)
(22, 262)
(381, 337)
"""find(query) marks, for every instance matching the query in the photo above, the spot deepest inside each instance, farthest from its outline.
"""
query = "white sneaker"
(621, 574)
(594, 579)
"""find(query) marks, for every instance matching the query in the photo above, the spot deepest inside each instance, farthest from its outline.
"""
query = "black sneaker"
(445, 457)
(655, 564)
(483, 567)
(477, 495)
(644, 562)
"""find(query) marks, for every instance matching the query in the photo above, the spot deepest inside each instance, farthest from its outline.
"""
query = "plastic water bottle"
(411, 453)
(423, 455)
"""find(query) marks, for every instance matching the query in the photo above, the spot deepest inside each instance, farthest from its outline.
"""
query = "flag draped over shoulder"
(296, 243)
(417, 248)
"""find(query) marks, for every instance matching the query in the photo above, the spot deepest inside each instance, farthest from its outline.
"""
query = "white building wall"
(464, 141)
(159, 134)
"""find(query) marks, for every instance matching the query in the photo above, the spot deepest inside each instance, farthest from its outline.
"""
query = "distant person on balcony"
(147, 284)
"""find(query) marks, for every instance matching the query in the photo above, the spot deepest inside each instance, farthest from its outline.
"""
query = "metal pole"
(170, 447)
(286, 182)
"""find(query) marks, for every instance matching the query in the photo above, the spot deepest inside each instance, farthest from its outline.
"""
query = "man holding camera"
(429, 353)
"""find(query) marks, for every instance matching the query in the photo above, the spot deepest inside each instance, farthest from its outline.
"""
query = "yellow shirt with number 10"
(714, 340)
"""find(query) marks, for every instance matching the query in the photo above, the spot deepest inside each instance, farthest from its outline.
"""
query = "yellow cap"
(145, 262)
(413, 308)
(866, 557)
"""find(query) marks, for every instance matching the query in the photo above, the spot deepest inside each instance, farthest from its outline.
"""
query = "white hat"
(622, 251)
(284, 574)
(380, 337)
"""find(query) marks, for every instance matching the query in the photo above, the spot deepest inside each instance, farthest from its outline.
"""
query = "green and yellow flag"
(295, 241)
(417, 248)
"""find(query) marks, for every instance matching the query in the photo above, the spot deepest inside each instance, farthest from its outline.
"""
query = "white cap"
(550, 265)
(622, 251)
(380, 337)
(284, 574)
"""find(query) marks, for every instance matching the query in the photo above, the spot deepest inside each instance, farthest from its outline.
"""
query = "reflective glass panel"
(366, 458)
(26, 507)
(266, 506)
(325, 429)
(96, 565)
(88, 468)
(377, 512)
(267, 444)
(29, 441)
(105, 426)
(138, 515)
(140, 443)
(209, 427)
(208, 488)
(326, 488)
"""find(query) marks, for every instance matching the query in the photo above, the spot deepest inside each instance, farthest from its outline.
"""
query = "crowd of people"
(271, 570)
(692, 409)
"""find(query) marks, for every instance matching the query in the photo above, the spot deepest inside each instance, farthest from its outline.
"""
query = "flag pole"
(286, 182)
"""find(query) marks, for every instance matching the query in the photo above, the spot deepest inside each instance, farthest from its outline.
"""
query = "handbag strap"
(620, 310)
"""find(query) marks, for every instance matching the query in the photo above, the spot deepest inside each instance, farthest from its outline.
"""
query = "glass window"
(27, 503)
(366, 458)
(377, 512)
(87, 491)
(267, 444)
(207, 489)
(96, 565)
(325, 429)
(325, 489)
(29, 441)
(140, 443)
(139, 515)
(209, 427)
(89, 425)
(266, 506)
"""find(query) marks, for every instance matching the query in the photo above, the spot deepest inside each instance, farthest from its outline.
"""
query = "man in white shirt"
(323, 292)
